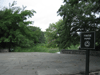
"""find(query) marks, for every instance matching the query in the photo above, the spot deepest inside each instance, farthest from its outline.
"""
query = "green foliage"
(42, 38)
(38, 35)
(73, 47)
(78, 16)
(36, 32)
(37, 48)
(52, 33)
(15, 29)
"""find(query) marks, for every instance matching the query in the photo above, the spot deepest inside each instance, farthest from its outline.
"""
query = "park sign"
(87, 40)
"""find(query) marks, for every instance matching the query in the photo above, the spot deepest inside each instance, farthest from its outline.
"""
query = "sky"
(46, 10)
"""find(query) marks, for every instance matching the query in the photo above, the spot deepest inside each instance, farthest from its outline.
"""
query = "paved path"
(44, 63)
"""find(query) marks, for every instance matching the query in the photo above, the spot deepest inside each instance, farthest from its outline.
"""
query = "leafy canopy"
(13, 25)
(79, 16)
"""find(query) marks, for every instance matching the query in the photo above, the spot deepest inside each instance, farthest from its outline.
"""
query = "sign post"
(87, 42)
(87, 62)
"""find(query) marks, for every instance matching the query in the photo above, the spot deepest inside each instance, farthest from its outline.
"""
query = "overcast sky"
(46, 10)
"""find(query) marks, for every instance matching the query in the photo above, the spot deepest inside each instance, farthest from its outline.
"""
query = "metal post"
(87, 62)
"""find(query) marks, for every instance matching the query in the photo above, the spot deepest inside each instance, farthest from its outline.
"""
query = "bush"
(37, 48)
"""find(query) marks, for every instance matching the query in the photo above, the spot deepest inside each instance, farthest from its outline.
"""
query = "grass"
(37, 48)
(53, 50)
(42, 48)
(73, 47)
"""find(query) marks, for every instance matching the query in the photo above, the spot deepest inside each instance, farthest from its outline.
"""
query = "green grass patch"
(42, 48)
(37, 48)
(53, 50)
(73, 47)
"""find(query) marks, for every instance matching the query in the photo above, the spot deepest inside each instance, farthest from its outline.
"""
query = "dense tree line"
(15, 29)
(52, 34)
(79, 16)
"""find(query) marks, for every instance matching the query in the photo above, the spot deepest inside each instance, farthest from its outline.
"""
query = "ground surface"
(44, 63)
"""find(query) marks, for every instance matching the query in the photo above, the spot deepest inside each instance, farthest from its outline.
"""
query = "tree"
(42, 38)
(13, 25)
(52, 34)
(79, 15)
(38, 35)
